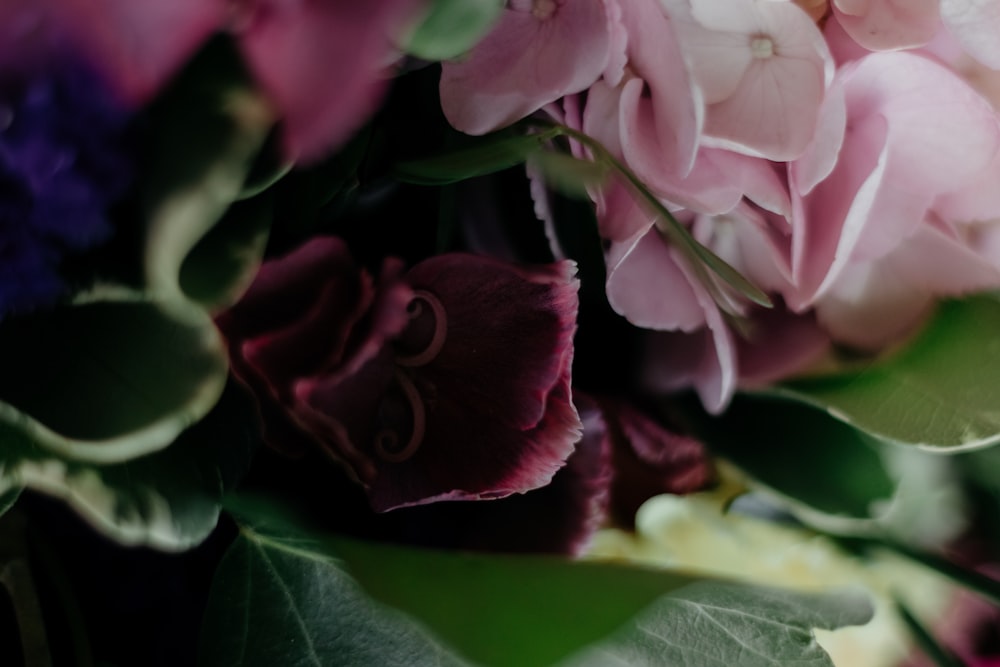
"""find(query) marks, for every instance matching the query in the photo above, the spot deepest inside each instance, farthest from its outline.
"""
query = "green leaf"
(940, 392)
(111, 377)
(285, 596)
(223, 264)
(803, 454)
(452, 27)
(168, 500)
(486, 156)
(206, 129)
(715, 624)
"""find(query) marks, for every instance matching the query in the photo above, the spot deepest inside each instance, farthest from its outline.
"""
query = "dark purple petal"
(649, 459)
(509, 333)
(558, 518)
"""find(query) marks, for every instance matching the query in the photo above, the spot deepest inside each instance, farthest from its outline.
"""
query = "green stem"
(673, 230)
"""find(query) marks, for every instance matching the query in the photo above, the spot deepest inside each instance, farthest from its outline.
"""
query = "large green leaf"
(206, 131)
(283, 596)
(835, 471)
(169, 499)
(451, 27)
(114, 376)
(713, 624)
(940, 392)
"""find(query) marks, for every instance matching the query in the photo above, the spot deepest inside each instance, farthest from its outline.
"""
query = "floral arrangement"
(483, 332)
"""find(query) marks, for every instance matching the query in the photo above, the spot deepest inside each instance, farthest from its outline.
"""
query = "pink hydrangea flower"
(892, 180)
(762, 67)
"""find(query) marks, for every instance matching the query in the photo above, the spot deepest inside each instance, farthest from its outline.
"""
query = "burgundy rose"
(448, 382)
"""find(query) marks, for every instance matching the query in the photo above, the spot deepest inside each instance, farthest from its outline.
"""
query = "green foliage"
(209, 126)
(939, 392)
(804, 455)
(486, 156)
(285, 596)
(111, 377)
(449, 28)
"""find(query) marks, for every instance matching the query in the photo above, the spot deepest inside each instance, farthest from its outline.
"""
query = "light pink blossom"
(762, 67)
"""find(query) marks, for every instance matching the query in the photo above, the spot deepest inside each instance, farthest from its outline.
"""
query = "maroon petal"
(479, 403)
(509, 334)
(559, 518)
(649, 459)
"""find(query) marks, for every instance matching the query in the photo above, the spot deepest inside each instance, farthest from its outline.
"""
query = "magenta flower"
(448, 382)
(539, 51)
(320, 64)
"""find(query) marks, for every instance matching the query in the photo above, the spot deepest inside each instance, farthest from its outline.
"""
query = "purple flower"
(62, 164)
(448, 382)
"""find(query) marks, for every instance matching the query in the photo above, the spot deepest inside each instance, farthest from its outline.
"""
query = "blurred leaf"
(486, 156)
(940, 392)
(168, 500)
(933, 649)
(716, 624)
(285, 596)
(569, 175)
(452, 27)
(224, 262)
(206, 130)
(804, 455)
(109, 378)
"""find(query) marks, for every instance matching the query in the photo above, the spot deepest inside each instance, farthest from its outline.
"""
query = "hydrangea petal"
(537, 52)
(975, 24)
(883, 25)
(647, 287)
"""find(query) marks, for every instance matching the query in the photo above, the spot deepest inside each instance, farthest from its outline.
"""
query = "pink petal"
(883, 25)
(705, 359)
(647, 287)
(975, 24)
(871, 305)
(764, 70)
(779, 345)
(528, 59)
(322, 64)
(675, 104)
(139, 44)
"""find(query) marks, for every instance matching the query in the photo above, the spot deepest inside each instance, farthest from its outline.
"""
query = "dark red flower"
(448, 382)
